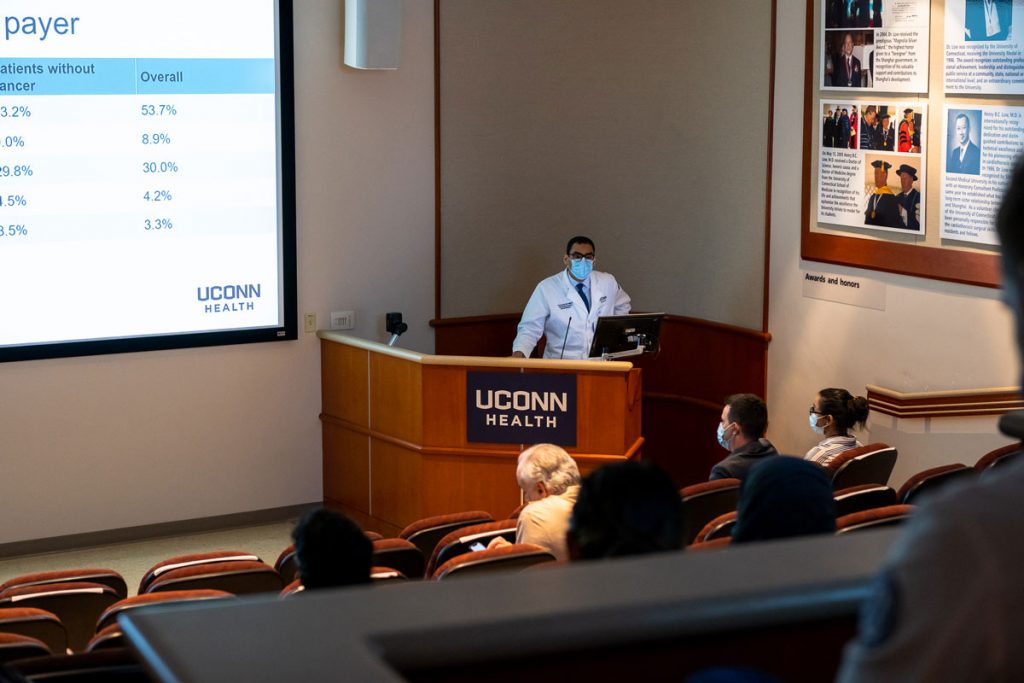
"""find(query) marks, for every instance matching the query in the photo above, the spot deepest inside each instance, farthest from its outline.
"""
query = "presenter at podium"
(565, 307)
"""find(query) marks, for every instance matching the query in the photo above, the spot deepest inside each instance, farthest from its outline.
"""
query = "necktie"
(586, 302)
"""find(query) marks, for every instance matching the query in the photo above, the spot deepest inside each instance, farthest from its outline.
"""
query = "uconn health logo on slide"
(503, 407)
(228, 298)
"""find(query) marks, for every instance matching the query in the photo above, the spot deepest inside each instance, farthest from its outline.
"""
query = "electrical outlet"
(309, 322)
(343, 320)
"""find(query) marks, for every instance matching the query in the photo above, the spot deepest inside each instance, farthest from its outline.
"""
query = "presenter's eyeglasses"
(812, 411)
(576, 256)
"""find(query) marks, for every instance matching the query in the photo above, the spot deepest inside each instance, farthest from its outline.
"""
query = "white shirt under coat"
(555, 306)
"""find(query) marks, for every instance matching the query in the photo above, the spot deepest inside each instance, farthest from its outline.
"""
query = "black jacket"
(739, 461)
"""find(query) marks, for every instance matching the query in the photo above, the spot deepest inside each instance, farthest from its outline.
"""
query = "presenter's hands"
(517, 354)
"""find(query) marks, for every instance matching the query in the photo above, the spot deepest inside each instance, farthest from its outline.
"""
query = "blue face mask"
(813, 419)
(721, 437)
(581, 269)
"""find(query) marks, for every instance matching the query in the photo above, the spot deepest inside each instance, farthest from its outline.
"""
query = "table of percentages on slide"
(133, 149)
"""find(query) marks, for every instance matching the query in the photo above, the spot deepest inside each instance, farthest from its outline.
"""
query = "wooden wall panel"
(397, 412)
(347, 400)
(366, 522)
(700, 363)
(444, 409)
(396, 483)
(451, 482)
(346, 466)
(685, 385)
(484, 335)
(601, 427)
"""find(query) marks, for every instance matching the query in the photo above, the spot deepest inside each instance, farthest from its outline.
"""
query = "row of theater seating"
(863, 499)
(76, 610)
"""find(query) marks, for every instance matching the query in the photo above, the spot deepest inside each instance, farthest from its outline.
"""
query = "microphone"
(393, 323)
(565, 337)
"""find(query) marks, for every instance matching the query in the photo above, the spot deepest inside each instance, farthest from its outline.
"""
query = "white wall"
(102, 442)
(562, 117)
(932, 335)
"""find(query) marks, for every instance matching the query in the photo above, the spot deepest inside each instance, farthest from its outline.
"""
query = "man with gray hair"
(550, 482)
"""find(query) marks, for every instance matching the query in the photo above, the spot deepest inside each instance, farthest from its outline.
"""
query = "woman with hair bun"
(834, 413)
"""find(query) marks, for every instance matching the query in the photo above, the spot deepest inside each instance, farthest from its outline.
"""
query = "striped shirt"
(828, 449)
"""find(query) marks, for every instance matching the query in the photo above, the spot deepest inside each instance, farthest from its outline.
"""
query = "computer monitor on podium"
(620, 336)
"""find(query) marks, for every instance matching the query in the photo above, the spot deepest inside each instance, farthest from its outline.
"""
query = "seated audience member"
(834, 412)
(626, 508)
(550, 481)
(949, 603)
(331, 550)
(783, 497)
(741, 432)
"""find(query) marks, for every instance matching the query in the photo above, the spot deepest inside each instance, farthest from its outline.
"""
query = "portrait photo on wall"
(853, 13)
(987, 19)
(890, 128)
(908, 130)
(848, 59)
(963, 141)
(892, 193)
(840, 126)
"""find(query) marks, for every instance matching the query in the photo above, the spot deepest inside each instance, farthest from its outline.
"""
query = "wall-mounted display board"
(913, 114)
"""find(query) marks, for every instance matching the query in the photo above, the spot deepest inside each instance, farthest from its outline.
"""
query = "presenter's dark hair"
(579, 239)
(625, 508)
(331, 550)
(750, 413)
(845, 408)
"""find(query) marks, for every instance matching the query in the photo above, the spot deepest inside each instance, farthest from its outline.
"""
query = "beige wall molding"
(951, 403)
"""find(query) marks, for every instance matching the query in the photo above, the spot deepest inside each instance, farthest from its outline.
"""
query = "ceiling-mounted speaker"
(373, 33)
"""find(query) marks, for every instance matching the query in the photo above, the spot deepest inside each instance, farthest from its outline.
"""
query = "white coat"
(555, 302)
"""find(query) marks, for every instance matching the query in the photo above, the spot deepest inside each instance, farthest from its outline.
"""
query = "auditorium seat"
(458, 542)
(14, 646)
(107, 577)
(110, 636)
(712, 544)
(35, 623)
(705, 501)
(241, 577)
(999, 456)
(871, 464)
(78, 605)
(110, 614)
(863, 497)
(399, 554)
(514, 557)
(890, 515)
(720, 527)
(425, 533)
(104, 665)
(931, 480)
(293, 588)
(515, 513)
(182, 561)
(286, 565)
(386, 575)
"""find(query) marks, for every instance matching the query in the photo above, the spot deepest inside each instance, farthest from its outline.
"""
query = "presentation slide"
(145, 176)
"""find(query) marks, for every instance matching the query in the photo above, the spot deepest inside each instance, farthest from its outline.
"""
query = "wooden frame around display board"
(939, 263)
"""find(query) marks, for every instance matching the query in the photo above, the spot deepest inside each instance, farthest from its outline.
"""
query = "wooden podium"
(395, 443)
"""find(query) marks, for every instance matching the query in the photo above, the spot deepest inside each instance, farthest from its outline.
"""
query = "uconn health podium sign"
(507, 407)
